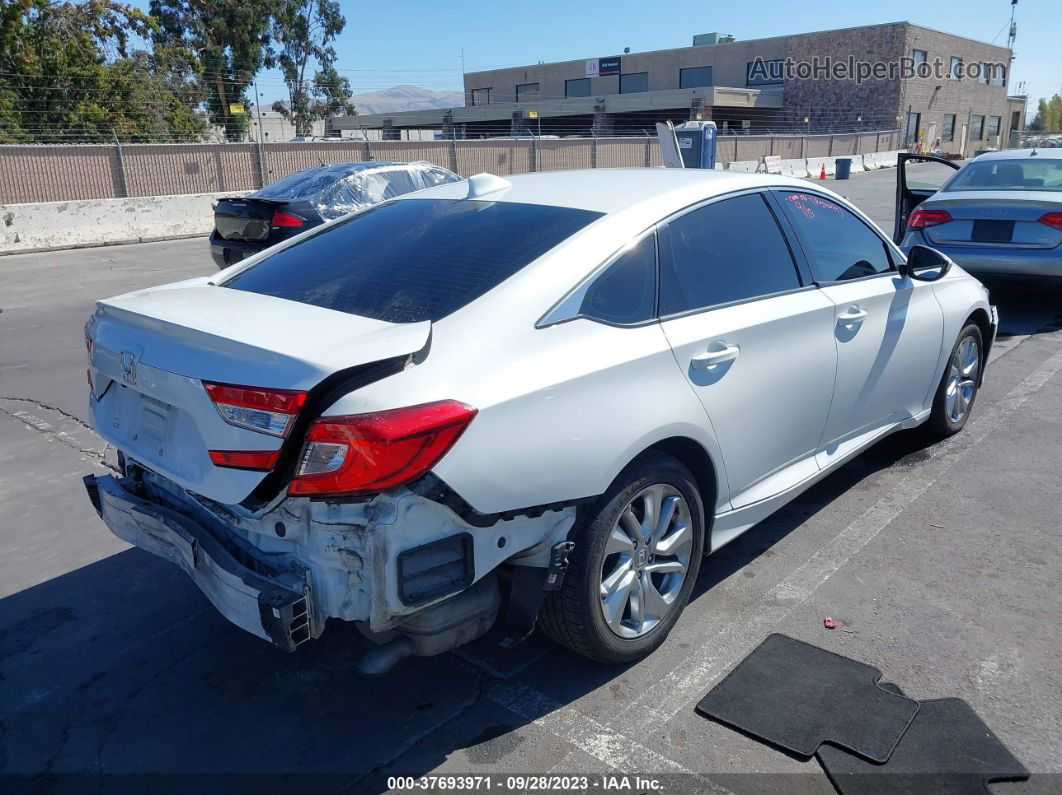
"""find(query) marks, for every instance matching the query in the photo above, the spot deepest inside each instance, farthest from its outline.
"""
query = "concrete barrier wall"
(795, 168)
(96, 222)
(815, 165)
(886, 159)
(748, 166)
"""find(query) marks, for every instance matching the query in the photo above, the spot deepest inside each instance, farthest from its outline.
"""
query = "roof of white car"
(1022, 154)
(609, 189)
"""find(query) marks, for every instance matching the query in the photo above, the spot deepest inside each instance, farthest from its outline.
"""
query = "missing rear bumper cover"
(264, 607)
(437, 569)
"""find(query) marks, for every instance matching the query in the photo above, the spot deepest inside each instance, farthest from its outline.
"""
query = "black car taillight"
(286, 220)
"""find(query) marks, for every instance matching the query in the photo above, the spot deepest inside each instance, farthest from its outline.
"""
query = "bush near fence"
(42, 173)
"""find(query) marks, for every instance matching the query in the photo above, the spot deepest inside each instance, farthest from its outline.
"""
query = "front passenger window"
(840, 246)
(729, 250)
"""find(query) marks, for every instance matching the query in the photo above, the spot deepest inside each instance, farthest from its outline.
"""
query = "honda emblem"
(129, 367)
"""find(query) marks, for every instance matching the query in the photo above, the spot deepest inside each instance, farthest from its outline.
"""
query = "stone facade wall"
(965, 99)
(840, 103)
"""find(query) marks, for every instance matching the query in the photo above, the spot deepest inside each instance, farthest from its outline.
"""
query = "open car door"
(917, 178)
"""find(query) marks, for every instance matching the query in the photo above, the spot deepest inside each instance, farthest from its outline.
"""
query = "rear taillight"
(1053, 220)
(257, 460)
(271, 411)
(920, 219)
(287, 220)
(366, 453)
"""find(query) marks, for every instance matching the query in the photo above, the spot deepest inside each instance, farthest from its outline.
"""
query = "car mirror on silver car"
(925, 264)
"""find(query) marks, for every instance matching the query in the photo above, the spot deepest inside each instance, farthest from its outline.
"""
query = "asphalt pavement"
(940, 563)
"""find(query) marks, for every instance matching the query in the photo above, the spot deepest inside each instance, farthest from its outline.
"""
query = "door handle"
(712, 358)
(852, 316)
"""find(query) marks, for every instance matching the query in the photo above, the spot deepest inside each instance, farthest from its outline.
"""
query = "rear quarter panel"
(557, 421)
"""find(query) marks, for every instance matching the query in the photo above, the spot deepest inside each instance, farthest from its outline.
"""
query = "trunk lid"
(995, 218)
(152, 350)
(239, 218)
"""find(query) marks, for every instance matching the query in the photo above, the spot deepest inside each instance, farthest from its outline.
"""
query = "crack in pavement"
(41, 405)
(46, 429)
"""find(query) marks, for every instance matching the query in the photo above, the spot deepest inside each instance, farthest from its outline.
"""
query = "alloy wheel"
(962, 379)
(645, 561)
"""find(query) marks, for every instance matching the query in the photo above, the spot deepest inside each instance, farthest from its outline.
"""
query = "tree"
(231, 41)
(1048, 115)
(68, 75)
(305, 30)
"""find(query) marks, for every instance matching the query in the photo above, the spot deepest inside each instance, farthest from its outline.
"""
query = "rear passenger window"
(729, 250)
(839, 245)
(626, 291)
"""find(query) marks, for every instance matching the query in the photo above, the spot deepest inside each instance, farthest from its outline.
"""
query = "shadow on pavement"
(123, 667)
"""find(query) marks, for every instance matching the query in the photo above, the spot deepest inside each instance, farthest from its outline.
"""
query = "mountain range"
(406, 97)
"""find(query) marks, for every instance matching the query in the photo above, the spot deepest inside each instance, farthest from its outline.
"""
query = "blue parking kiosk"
(696, 142)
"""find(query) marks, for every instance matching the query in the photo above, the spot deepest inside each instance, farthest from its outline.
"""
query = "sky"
(421, 41)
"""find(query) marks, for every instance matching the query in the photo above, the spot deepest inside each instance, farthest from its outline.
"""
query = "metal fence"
(44, 172)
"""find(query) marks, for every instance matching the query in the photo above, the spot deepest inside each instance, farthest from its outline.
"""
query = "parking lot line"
(616, 749)
(692, 676)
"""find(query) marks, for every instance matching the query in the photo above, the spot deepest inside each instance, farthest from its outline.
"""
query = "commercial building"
(930, 84)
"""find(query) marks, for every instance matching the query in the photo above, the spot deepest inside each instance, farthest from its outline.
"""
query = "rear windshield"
(412, 260)
(1025, 174)
(302, 184)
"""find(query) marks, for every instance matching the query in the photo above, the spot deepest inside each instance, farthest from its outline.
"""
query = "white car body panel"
(768, 405)
(237, 337)
(885, 360)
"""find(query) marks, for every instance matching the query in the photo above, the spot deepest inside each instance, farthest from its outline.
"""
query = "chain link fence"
(61, 172)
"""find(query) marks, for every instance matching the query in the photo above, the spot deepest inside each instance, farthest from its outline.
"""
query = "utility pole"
(1011, 35)
(261, 133)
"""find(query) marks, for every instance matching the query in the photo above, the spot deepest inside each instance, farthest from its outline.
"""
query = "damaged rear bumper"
(254, 601)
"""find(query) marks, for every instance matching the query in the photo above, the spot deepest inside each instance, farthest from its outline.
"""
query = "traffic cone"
(822, 174)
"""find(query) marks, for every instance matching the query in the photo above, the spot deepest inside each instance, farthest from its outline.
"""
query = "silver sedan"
(1000, 215)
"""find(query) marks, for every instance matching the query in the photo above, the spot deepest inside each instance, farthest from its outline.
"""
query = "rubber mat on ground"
(947, 750)
(797, 696)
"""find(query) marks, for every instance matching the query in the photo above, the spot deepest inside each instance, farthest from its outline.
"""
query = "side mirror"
(925, 264)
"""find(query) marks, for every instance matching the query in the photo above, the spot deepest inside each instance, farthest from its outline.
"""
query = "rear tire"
(622, 593)
(959, 384)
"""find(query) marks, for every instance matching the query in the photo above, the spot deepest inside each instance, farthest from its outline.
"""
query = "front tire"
(959, 384)
(637, 553)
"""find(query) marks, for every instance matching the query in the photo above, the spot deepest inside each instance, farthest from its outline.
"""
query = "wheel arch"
(697, 460)
(984, 323)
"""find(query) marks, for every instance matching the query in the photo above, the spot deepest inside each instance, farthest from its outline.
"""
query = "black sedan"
(244, 225)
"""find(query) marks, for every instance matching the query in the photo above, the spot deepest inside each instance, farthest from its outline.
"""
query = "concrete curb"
(49, 226)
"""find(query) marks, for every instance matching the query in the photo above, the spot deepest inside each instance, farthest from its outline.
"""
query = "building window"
(949, 128)
(695, 77)
(999, 76)
(634, 83)
(985, 78)
(527, 92)
(481, 96)
(764, 73)
(993, 126)
(913, 127)
(977, 128)
(577, 88)
(919, 58)
(955, 68)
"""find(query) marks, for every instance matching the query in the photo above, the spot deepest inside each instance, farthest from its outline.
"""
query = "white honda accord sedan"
(506, 401)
